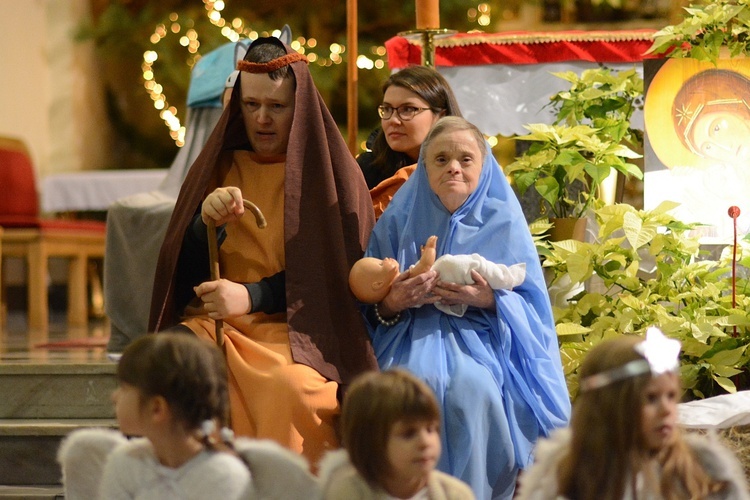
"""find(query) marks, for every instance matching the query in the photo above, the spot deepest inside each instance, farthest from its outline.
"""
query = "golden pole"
(352, 118)
(427, 39)
(428, 26)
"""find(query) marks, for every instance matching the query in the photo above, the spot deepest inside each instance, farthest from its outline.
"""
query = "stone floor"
(20, 346)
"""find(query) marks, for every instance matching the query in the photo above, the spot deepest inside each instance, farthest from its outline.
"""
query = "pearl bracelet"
(386, 322)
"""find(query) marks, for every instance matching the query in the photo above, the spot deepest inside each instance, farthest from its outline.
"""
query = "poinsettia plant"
(646, 269)
(707, 27)
(567, 162)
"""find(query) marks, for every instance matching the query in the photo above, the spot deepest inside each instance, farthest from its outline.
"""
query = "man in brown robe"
(293, 333)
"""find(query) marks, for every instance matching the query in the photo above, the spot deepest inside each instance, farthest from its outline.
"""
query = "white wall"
(24, 75)
(50, 93)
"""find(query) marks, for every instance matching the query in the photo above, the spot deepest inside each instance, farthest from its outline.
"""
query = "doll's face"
(380, 273)
(413, 450)
(659, 411)
(387, 271)
(371, 278)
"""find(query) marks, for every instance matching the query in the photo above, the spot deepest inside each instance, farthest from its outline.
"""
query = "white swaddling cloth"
(457, 269)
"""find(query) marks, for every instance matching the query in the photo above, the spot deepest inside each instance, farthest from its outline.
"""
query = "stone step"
(57, 391)
(52, 492)
(28, 448)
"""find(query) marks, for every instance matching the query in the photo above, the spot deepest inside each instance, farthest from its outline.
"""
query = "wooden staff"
(213, 257)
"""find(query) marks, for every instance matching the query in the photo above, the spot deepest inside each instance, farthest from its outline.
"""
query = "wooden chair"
(35, 239)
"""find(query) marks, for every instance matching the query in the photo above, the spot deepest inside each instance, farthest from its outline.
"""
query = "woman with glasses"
(413, 100)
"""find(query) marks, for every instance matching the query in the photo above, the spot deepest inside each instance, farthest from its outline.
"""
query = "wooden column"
(352, 77)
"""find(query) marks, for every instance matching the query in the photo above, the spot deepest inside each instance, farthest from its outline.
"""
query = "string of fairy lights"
(234, 30)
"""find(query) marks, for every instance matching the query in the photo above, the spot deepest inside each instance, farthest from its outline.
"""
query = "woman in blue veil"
(496, 370)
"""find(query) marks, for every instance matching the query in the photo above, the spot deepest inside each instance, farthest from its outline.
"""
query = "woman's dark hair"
(189, 373)
(433, 88)
(373, 404)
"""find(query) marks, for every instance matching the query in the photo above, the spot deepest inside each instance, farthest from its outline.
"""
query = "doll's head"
(391, 427)
(371, 278)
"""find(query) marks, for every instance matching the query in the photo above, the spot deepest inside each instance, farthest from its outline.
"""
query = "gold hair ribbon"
(271, 66)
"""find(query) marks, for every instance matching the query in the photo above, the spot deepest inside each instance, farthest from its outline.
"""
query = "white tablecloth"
(95, 189)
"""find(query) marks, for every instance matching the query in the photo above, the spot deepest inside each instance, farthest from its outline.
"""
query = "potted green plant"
(567, 162)
(652, 273)
(707, 28)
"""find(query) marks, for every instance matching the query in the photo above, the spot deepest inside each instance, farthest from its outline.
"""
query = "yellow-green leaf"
(726, 371)
(571, 329)
(725, 384)
(727, 358)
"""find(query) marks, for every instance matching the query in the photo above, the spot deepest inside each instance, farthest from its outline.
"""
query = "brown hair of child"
(189, 373)
(374, 402)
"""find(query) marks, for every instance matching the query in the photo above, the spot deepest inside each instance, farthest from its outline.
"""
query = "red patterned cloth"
(471, 49)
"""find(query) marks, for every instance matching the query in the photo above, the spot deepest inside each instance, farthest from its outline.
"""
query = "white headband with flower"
(661, 354)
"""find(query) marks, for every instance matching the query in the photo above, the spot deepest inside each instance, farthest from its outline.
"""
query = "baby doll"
(390, 426)
(371, 278)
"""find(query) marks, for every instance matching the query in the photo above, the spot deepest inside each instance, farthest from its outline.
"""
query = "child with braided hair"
(173, 394)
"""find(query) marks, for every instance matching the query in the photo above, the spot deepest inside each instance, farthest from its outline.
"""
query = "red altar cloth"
(471, 49)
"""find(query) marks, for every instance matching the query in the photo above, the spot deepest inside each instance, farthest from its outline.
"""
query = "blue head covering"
(517, 343)
(209, 75)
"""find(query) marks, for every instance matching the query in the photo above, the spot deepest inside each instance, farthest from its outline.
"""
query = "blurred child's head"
(625, 377)
(189, 373)
(390, 425)
(625, 415)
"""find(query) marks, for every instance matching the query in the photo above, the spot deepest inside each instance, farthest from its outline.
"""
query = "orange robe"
(271, 396)
(382, 194)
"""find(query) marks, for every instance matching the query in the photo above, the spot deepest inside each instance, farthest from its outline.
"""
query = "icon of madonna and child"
(697, 150)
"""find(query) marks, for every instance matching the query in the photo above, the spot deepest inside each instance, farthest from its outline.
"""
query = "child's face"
(413, 449)
(659, 411)
(128, 409)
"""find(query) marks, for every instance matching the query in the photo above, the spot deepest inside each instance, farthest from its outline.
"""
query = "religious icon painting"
(697, 141)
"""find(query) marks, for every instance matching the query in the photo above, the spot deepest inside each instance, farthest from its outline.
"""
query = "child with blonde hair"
(624, 442)
(390, 426)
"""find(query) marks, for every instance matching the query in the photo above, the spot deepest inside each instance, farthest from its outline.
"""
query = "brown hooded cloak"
(328, 218)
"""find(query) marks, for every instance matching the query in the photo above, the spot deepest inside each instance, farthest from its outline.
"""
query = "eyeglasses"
(404, 112)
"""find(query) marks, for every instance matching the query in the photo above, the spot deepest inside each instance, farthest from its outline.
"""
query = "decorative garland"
(271, 66)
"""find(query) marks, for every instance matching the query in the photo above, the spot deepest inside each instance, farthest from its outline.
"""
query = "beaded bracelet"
(386, 322)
